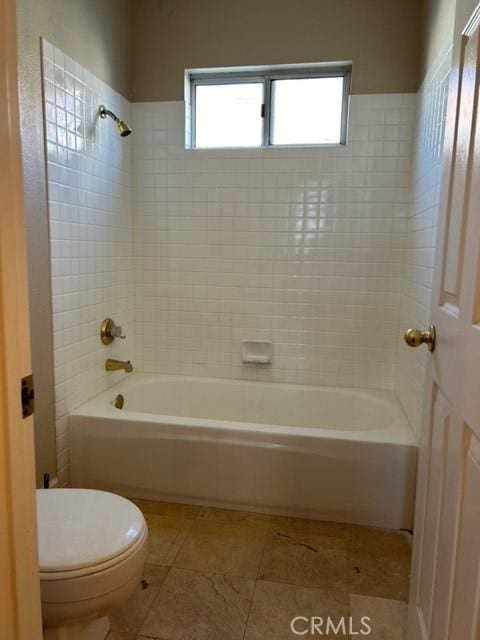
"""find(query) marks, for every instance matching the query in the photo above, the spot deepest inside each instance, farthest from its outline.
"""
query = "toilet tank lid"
(80, 528)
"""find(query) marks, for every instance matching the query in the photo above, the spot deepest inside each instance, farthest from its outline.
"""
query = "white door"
(445, 589)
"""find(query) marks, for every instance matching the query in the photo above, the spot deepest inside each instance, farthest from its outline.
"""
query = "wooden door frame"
(20, 614)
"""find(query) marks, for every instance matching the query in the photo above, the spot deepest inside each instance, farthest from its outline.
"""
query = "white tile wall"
(422, 232)
(304, 247)
(89, 191)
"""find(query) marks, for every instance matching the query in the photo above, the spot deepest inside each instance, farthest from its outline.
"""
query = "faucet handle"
(117, 332)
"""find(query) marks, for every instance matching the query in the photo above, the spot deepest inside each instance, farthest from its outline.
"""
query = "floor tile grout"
(272, 580)
(250, 609)
(267, 533)
(154, 599)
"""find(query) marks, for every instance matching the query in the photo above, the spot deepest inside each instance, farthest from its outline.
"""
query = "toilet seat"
(83, 530)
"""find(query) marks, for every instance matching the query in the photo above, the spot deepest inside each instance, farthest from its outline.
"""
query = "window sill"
(325, 145)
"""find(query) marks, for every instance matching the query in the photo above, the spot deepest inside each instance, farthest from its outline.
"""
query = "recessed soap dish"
(257, 351)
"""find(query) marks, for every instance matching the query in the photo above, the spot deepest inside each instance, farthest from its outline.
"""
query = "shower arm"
(104, 112)
(123, 128)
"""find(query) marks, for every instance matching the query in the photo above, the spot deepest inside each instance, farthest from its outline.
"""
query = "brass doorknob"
(415, 337)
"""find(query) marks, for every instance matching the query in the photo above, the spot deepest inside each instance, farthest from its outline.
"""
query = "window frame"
(267, 76)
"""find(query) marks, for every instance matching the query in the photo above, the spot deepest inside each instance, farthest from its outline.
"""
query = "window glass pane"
(307, 111)
(229, 115)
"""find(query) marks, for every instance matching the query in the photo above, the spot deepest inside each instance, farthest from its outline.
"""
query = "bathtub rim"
(398, 432)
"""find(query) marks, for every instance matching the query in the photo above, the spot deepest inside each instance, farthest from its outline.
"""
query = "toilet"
(92, 549)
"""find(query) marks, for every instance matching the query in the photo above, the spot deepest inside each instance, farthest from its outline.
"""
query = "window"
(228, 115)
(259, 107)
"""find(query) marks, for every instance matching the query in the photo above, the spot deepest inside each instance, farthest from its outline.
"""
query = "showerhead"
(123, 128)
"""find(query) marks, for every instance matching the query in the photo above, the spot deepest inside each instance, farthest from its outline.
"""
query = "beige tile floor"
(214, 574)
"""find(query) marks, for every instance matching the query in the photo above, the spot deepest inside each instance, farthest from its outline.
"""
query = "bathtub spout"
(116, 365)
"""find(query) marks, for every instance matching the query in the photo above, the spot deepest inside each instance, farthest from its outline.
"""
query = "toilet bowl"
(92, 548)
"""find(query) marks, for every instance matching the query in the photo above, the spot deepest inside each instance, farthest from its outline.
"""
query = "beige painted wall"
(439, 22)
(96, 33)
(382, 37)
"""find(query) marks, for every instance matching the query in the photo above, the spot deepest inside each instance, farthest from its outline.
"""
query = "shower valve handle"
(109, 331)
(117, 332)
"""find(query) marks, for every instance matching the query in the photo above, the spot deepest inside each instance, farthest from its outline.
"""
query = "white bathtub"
(339, 454)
